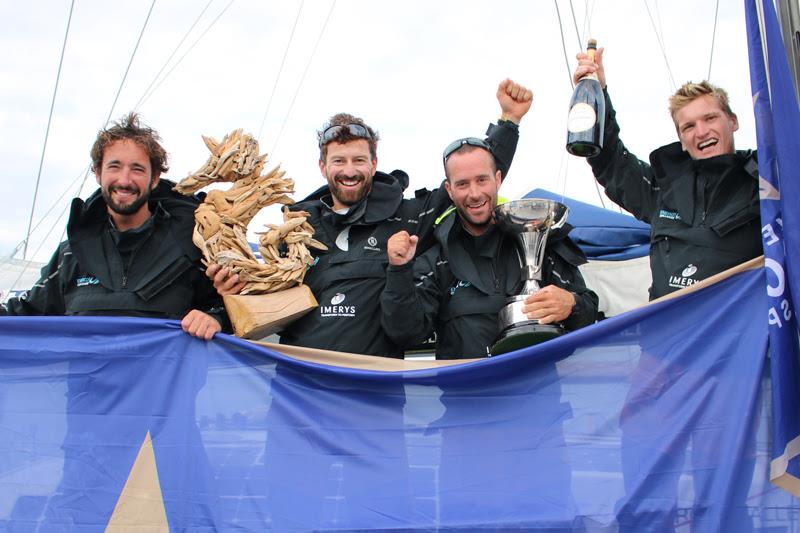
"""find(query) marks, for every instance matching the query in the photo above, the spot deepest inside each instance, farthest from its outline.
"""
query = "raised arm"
(628, 181)
(410, 299)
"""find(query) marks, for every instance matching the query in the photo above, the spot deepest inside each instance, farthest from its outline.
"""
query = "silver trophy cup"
(529, 221)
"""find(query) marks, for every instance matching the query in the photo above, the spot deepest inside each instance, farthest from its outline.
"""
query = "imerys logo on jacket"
(685, 279)
(336, 309)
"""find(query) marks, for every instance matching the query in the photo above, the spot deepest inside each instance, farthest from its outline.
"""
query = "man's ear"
(154, 179)
(447, 188)
(735, 120)
(322, 168)
(498, 176)
(96, 175)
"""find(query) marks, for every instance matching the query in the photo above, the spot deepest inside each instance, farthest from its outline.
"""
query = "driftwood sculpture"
(221, 220)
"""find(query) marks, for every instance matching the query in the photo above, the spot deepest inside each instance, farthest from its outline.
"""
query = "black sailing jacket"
(347, 279)
(703, 214)
(458, 288)
(161, 276)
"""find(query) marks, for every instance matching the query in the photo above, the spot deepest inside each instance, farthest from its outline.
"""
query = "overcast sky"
(421, 73)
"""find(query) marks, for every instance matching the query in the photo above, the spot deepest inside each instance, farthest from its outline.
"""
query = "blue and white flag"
(654, 420)
(778, 131)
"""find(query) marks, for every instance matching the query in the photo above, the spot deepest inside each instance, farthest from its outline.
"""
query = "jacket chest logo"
(335, 309)
(85, 281)
(669, 215)
(459, 284)
(372, 244)
(685, 279)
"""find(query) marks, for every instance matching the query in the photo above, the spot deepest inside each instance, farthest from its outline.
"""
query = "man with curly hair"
(129, 249)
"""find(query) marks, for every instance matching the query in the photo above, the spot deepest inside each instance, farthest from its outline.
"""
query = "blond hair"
(691, 91)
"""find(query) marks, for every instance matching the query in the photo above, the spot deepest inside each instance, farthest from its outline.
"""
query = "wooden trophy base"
(257, 316)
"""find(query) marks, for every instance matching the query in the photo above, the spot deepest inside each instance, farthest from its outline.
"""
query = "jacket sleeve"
(562, 271)
(46, 297)
(628, 181)
(410, 300)
(503, 138)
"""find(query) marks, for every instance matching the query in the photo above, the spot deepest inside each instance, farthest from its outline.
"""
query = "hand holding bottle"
(587, 111)
(588, 66)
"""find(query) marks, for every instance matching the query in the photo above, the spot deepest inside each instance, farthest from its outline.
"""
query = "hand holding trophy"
(221, 235)
(529, 221)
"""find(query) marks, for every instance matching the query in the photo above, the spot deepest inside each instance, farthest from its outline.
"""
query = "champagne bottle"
(587, 114)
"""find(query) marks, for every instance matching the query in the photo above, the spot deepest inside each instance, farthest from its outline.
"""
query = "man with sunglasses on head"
(354, 215)
(459, 286)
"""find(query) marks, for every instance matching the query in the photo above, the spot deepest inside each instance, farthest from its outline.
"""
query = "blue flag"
(778, 131)
(654, 420)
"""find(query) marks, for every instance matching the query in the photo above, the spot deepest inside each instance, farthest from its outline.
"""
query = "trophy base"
(523, 335)
(258, 316)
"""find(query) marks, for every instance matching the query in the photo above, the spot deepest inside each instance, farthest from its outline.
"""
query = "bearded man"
(129, 248)
(354, 215)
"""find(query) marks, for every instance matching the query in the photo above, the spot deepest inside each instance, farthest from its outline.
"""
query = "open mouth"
(477, 207)
(349, 181)
(124, 194)
(707, 145)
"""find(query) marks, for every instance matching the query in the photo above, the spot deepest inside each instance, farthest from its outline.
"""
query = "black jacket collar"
(380, 204)
(676, 174)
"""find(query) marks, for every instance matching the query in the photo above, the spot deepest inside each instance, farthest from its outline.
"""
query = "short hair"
(691, 91)
(465, 149)
(344, 135)
(129, 128)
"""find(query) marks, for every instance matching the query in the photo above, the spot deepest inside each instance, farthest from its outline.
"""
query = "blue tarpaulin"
(601, 233)
(654, 419)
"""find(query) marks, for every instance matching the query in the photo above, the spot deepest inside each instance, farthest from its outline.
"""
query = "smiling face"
(349, 168)
(704, 128)
(472, 183)
(126, 178)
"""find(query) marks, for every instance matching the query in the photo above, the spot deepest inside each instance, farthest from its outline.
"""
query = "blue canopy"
(602, 234)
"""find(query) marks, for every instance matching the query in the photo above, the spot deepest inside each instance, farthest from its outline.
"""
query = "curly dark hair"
(128, 127)
(344, 136)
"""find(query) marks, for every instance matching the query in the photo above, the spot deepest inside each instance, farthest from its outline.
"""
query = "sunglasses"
(471, 141)
(330, 132)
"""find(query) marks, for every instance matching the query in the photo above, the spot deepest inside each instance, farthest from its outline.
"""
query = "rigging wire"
(564, 45)
(116, 97)
(589, 18)
(575, 23)
(661, 45)
(85, 173)
(175, 51)
(41, 243)
(569, 73)
(713, 38)
(213, 22)
(121, 85)
(280, 70)
(47, 132)
(303, 77)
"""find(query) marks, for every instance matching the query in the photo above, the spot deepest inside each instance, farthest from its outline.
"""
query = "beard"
(349, 196)
(130, 208)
